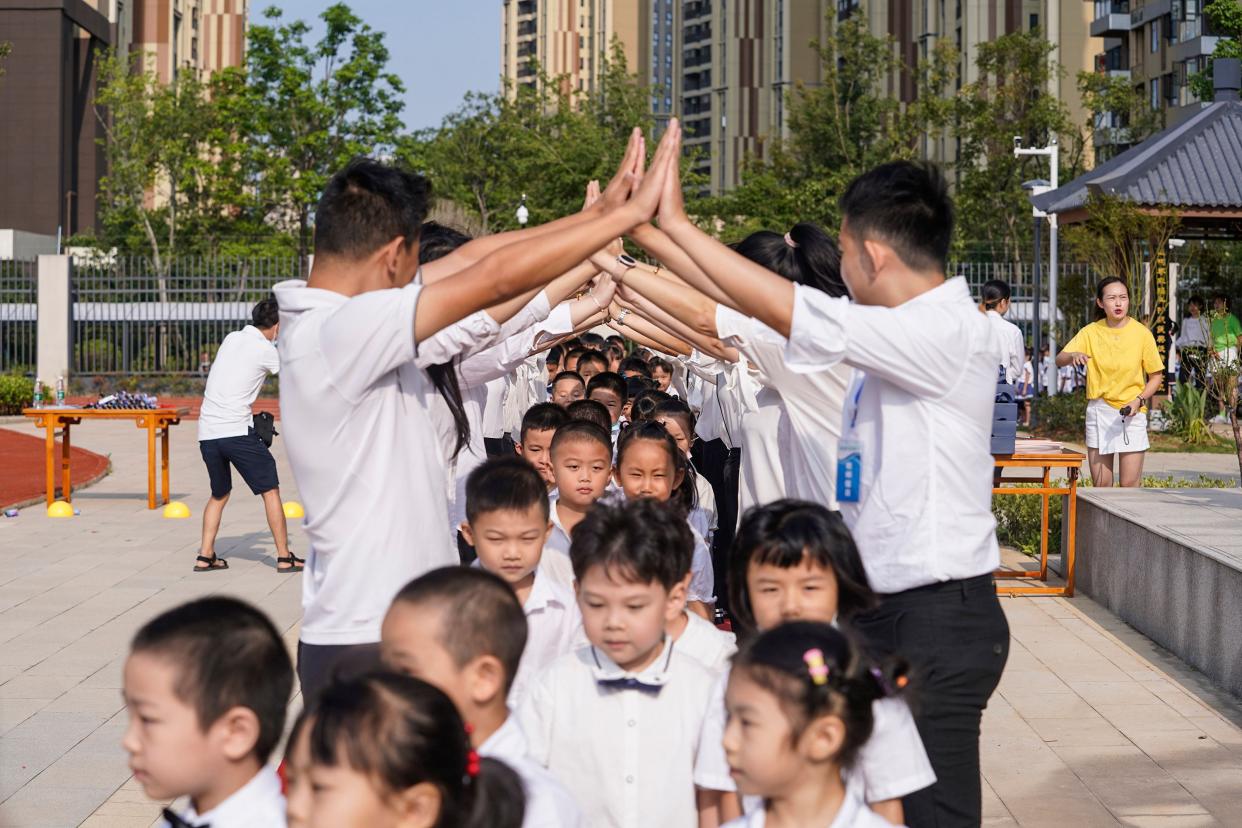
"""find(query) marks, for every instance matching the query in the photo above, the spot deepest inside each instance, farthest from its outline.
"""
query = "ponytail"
(806, 255)
(994, 292)
(494, 798)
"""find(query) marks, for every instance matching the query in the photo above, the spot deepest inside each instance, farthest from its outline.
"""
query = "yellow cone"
(176, 509)
(293, 510)
(60, 509)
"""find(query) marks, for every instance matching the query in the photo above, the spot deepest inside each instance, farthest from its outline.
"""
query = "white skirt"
(1110, 433)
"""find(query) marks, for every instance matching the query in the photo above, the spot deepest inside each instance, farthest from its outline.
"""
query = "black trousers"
(719, 466)
(321, 664)
(956, 639)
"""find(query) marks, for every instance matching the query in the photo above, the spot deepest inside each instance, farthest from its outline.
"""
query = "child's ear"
(419, 806)
(679, 478)
(467, 533)
(518, 448)
(616, 475)
(547, 533)
(487, 679)
(823, 738)
(676, 599)
(237, 732)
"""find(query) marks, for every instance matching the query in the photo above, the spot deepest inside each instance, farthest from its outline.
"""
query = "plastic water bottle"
(38, 394)
(60, 391)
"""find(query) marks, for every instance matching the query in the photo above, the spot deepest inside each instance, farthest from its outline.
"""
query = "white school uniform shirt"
(627, 756)
(363, 452)
(555, 562)
(922, 412)
(702, 571)
(706, 643)
(891, 764)
(242, 363)
(1010, 346)
(704, 517)
(812, 404)
(548, 804)
(553, 629)
(257, 804)
(852, 814)
(761, 473)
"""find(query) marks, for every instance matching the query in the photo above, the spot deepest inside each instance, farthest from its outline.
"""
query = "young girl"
(389, 751)
(649, 464)
(680, 422)
(299, 798)
(800, 702)
(796, 561)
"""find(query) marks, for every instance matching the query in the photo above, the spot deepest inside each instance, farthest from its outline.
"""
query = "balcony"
(695, 81)
(526, 48)
(695, 57)
(525, 7)
(527, 28)
(1194, 38)
(1114, 62)
(698, 8)
(1111, 19)
(697, 32)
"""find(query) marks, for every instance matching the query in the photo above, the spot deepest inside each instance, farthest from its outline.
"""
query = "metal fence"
(19, 316)
(129, 319)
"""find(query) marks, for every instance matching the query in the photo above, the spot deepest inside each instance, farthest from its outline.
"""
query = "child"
(390, 750)
(592, 363)
(568, 386)
(799, 700)
(462, 631)
(679, 420)
(644, 404)
(662, 373)
(555, 354)
(649, 464)
(539, 423)
(507, 522)
(796, 561)
(581, 463)
(617, 722)
(634, 367)
(609, 389)
(206, 685)
(591, 411)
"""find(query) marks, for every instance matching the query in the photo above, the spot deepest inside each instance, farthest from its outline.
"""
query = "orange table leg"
(1072, 534)
(1043, 528)
(49, 422)
(150, 423)
(164, 461)
(66, 488)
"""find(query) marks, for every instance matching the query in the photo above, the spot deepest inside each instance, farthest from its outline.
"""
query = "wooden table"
(156, 421)
(1072, 462)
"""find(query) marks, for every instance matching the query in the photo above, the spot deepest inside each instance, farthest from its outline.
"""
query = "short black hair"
(905, 204)
(616, 339)
(593, 340)
(366, 205)
(636, 385)
(227, 654)
(481, 613)
(437, 241)
(590, 411)
(610, 381)
(577, 353)
(568, 375)
(593, 356)
(504, 484)
(542, 417)
(645, 402)
(266, 313)
(582, 430)
(632, 363)
(785, 532)
(658, 362)
(555, 354)
(643, 541)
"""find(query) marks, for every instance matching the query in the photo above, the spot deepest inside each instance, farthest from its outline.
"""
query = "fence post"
(55, 330)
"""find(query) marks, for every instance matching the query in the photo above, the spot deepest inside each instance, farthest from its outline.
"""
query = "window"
(1155, 93)
(1155, 35)
(1034, 22)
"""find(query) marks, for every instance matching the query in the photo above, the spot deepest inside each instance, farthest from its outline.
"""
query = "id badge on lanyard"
(849, 458)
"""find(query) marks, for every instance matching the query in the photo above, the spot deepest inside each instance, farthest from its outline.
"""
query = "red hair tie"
(472, 755)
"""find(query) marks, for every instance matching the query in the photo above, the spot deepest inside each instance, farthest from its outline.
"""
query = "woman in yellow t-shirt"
(1124, 371)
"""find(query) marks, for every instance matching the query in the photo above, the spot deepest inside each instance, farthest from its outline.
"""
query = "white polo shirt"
(363, 452)
(555, 562)
(548, 804)
(923, 417)
(1010, 346)
(706, 643)
(852, 814)
(257, 804)
(553, 629)
(242, 363)
(627, 756)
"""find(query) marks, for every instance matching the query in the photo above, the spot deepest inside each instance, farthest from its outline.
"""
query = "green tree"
(6, 49)
(313, 106)
(1226, 19)
(1121, 114)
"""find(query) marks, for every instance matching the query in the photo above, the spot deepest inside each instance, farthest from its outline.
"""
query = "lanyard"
(857, 394)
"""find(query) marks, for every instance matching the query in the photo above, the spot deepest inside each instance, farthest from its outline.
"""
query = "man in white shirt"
(226, 434)
(914, 475)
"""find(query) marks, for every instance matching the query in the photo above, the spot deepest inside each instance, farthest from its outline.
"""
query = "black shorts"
(253, 460)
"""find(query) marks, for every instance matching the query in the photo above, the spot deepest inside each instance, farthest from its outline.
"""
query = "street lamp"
(523, 215)
(1052, 152)
(1034, 188)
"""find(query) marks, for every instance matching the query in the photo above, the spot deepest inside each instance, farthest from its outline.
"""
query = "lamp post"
(1052, 151)
(523, 215)
(1036, 187)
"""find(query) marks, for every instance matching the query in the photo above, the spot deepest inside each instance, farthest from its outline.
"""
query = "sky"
(440, 49)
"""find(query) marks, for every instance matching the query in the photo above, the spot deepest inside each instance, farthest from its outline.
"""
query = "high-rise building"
(202, 36)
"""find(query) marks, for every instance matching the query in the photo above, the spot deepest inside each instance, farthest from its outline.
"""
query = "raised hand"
(618, 189)
(672, 207)
(647, 195)
(592, 195)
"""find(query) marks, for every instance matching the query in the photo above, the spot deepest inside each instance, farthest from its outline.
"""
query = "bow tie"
(175, 821)
(629, 684)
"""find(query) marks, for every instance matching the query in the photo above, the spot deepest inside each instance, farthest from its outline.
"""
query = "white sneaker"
(1220, 419)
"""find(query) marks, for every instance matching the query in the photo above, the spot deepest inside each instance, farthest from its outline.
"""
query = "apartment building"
(1157, 45)
(202, 36)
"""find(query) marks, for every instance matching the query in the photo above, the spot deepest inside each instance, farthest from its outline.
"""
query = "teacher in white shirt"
(915, 476)
(1011, 347)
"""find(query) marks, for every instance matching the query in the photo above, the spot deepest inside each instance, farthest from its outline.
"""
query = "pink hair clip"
(815, 665)
(789, 240)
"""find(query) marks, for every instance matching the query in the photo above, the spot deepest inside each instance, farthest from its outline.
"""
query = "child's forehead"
(616, 578)
(582, 447)
(150, 676)
(531, 514)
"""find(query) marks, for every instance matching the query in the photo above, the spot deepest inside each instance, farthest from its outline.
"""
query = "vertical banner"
(1160, 314)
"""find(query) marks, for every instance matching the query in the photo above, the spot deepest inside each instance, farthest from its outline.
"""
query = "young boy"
(609, 390)
(507, 523)
(568, 386)
(206, 685)
(462, 630)
(539, 423)
(592, 363)
(591, 411)
(582, 465)
(618, 722)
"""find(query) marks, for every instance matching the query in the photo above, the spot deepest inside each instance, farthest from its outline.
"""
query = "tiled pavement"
(1093, 724)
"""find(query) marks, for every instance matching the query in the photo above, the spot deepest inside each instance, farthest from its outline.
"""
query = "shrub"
(16, 393)
(1186, 411)
(1061, 415)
